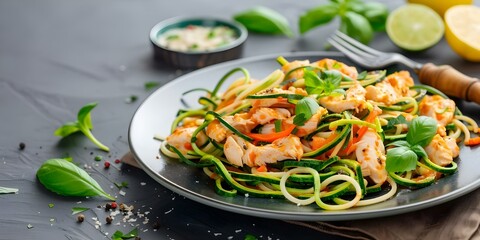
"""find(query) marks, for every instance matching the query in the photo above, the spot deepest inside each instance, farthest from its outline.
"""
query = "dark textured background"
(56, 56)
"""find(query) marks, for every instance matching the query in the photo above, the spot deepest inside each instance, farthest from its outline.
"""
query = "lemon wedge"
(463, 31)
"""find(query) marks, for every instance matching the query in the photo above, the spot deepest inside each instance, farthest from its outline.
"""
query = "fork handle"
(450, 81)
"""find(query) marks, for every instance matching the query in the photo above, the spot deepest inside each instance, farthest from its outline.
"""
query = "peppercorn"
(80, 218)
(109, 219)
(108, 206)
(113, 205)
(117, 161)
(106, 164)
(156, 225)
(21, 146)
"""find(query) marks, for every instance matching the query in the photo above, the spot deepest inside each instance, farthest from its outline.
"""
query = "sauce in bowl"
(195, 38)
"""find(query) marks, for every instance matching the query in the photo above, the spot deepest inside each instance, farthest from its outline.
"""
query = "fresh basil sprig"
(404, 156)
(264, 20)
(358, 19)
(82, 124)
(304, 110)
(65, 178)
(323, 84)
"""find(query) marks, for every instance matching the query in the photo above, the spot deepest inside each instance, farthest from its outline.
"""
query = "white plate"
(156, 113)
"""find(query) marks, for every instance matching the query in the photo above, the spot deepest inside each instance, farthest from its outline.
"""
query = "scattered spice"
(29, 226)
(106, 164)
(98, 158)
(156, 225)
(51, 205)
(80, 218)
(113, 205)
(109, 219)
(117, 161)
(21, 146)
(131, 99)
(108, 206)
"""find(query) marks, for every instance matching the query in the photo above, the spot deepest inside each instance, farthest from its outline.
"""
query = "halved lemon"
(463, 31)
(414, 27)
(441, 6)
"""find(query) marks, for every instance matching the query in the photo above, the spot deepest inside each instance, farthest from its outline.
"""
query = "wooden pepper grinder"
(451, 82)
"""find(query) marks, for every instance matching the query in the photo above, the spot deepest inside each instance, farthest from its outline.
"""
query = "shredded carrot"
(473, 141)
(262, 168)
(270, 137)
(226, 103)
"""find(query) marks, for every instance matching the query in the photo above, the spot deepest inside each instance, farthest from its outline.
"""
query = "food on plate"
(196, 38)
(321, 132)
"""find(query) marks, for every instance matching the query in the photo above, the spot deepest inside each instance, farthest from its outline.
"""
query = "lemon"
(463, 31)
(441, 6)
(414, 27)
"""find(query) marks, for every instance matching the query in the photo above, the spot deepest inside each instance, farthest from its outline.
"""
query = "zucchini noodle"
(317, 134)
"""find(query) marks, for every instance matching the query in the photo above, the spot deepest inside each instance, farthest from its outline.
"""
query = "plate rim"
(276, 214)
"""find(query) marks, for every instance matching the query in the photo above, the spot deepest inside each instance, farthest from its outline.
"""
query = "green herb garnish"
(76, 210)
(404, 156)
(65, 178)
(118, 235)
(304, 110)
(83, 124)
(151, 85)
(121, 185)
(325, 83)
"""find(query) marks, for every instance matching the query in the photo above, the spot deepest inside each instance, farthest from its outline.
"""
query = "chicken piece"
(394, 86)
(354, 99)
(439, 152)
(266, 115)
(297, 74)
(180, 139)
(370, 153)
(311, 124)
(240, 121)
(441, 109)
(341, 67)
(452, 144)
(239, 152)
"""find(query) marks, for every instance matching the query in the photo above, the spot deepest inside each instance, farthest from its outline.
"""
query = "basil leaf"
(5, 190)
(76, 210)
(421, 131)
(83, 116)
(356, 26)
(304, 110)
(419, 150)
(376, 13)
(313, 83)
(67, 129)
(400, 143)
(395, 121)
(65, 178)
(401, 159)
(317, 16)
(264, 20)
(332, 79)
(83, 124)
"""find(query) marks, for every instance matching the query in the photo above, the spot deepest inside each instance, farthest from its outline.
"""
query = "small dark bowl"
(197, 59)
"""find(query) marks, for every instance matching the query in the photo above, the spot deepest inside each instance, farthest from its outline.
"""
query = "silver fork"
(444, 78)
